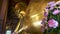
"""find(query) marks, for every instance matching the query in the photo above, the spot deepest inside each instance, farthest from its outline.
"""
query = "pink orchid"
(56, 12)
(52, 23)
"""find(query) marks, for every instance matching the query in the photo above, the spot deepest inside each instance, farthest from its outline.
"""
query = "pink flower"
(56, 12)
(42, 28)
(52, 23)
(51, 3)
(46, 12)
(50, 7)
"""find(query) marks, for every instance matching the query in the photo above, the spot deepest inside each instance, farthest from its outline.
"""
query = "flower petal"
(50, 3)
(56, 12)
(45, 14)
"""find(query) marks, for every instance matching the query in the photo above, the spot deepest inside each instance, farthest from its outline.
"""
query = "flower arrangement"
(52, 23)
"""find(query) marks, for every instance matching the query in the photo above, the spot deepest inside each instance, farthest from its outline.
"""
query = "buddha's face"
(17, 6)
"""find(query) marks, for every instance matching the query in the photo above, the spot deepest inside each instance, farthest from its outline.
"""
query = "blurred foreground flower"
(52, 23)
(51, 5)
(56, 12)
(45, 14)
(42, 28)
